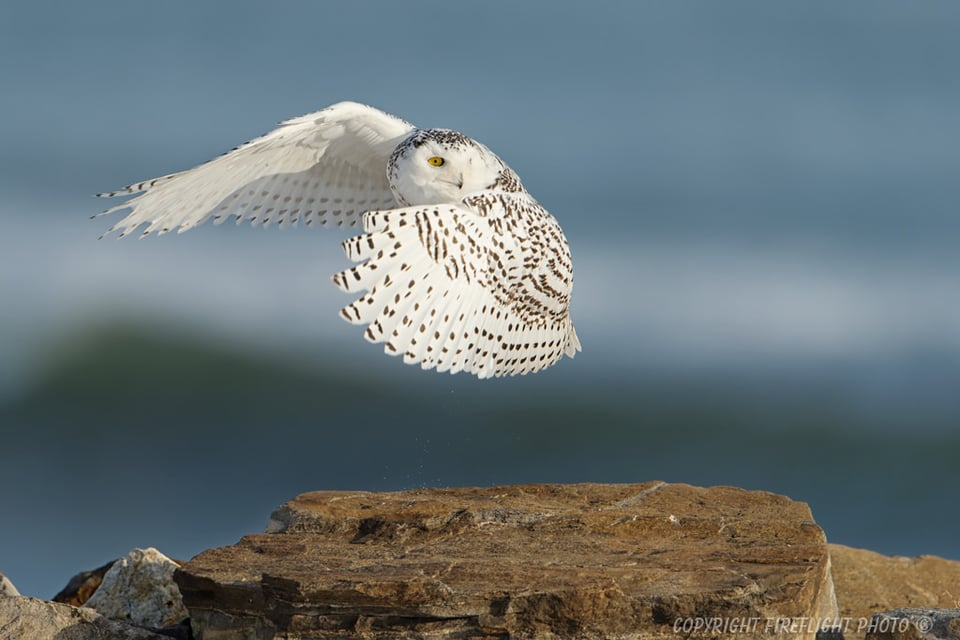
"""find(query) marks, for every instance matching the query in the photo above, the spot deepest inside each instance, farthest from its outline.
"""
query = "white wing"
(447, 289)
(327, 167)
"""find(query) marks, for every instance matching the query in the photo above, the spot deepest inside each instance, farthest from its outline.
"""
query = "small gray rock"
(139, 589)
(915, 624)
(6, 587)
(23, 618)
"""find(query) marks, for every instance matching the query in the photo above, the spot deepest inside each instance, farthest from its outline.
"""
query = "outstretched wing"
(325, 167)
(449, 289)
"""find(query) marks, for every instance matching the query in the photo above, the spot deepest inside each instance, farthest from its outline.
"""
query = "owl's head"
(437, 166)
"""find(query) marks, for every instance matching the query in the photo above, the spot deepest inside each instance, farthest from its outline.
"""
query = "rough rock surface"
(139, 589)
(31, 619)
(6, 587)
(868, 583)
(533, 561)
(916, 624)
(82, 586)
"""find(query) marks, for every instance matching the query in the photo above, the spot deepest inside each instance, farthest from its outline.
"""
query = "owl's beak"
(457, 182)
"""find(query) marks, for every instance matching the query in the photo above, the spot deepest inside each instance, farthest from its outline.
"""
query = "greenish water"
(130, 439)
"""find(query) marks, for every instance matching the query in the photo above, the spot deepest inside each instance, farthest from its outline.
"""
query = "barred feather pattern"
(459, 268)
(482, 287)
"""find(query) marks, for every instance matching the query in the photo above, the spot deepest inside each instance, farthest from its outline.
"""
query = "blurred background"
(761, 201)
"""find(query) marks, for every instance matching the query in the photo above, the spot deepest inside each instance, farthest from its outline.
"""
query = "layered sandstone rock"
(536, 561)
(82, 586)
(868, 582)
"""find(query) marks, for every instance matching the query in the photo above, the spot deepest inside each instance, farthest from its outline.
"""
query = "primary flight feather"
(461, 269)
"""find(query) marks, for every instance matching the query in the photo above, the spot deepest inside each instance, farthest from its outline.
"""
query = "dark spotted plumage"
(461, 268)
(482, 289)
(507, 180)
(481, 283)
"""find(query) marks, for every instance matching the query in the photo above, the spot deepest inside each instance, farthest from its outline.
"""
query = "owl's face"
(437, 166)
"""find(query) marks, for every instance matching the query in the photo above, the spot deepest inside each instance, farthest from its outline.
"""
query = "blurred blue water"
(761, 201)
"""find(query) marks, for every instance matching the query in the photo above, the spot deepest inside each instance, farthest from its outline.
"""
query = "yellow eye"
(436, 161)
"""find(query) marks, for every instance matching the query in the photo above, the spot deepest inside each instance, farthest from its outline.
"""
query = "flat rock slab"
(533, 561)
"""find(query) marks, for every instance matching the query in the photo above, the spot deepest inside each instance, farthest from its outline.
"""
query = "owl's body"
(463, 269)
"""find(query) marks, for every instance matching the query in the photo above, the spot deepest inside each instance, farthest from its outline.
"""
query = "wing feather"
(326, 167)
(457, 306)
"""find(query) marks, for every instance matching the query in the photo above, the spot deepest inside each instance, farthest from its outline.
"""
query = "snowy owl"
(461, 269)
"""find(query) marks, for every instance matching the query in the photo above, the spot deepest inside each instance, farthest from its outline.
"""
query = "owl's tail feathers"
(573, 343)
